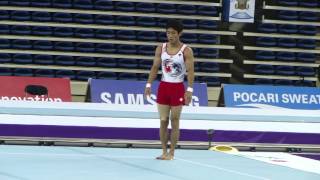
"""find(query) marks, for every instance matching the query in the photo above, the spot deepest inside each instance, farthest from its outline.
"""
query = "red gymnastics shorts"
(171, 94)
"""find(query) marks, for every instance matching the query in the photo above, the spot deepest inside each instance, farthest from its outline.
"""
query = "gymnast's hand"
(187, 97)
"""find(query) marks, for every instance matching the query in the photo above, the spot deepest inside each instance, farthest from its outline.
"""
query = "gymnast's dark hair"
(175, 24)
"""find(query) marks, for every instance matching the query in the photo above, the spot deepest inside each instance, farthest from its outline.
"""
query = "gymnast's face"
(173, 36)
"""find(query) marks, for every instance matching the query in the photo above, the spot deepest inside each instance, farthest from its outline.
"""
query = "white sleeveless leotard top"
(173, 65)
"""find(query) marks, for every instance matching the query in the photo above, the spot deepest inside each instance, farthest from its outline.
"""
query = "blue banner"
(238, 10)
(271, 96)
(132, 92)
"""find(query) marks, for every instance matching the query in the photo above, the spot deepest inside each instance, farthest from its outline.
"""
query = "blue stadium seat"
(64, 46)
(42, 45)
(145, 7)
(21, 30)
(5, 58)
(146, 50)
(43, 59)
(105, 48)
(265, 55)
(124, 6)
(186, 9)
(63, 32)
(162, 22)
(189, 23)
(285, 70)
(84, 33)
(128, 63)
(207, 10)
(105, 34)
(262, 81)
(288, 28)
(286, 56)
(41, 16)
(86, 61)
(287, 42)
(307, 43)
(264, 69)
(288, 15)
(4, 2)
(308, 16)
(4, 29)
(266, 41)
(189, 38)
(126, 49)
(288, 2)
(305, 71)
(42, 30)
(104, 19)
(283, 82)
(304, 83)
(309, 3)
(19, 2)
(210, 80)
(21, 44)
(196, 52)
(5, 43)
(5, 71)
(125, 21)
(146, 21)
(306, 57)
(166, 8)
(103, 5)
(208, 53)
(83, 4)
(128, 76)
(62, 17)
(126, 35)
(22, 58)
(207, 24)
(44, 73)
(4, 15)
(162, 37)
(22, 72)
(62, 3)
(85, 75)
(64, 60)
(209, 67)
(267, 28)
(197, 66)
(308, 30)
(143, 77)
(208, 39)
(146, 36)
(145, 64)
(107, 75)
(85, 47)
(20, 16)
(107, 62)
(42, 3)
(83, 18)
(66, 74)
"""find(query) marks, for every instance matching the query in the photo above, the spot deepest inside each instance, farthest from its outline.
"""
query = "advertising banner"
(132, 92)
(271, 96)
(35, 89)
(239, 10)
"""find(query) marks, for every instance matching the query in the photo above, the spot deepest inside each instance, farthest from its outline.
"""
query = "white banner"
(284, 159)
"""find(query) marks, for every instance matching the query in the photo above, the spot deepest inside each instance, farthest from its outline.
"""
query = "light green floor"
(91, 163)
